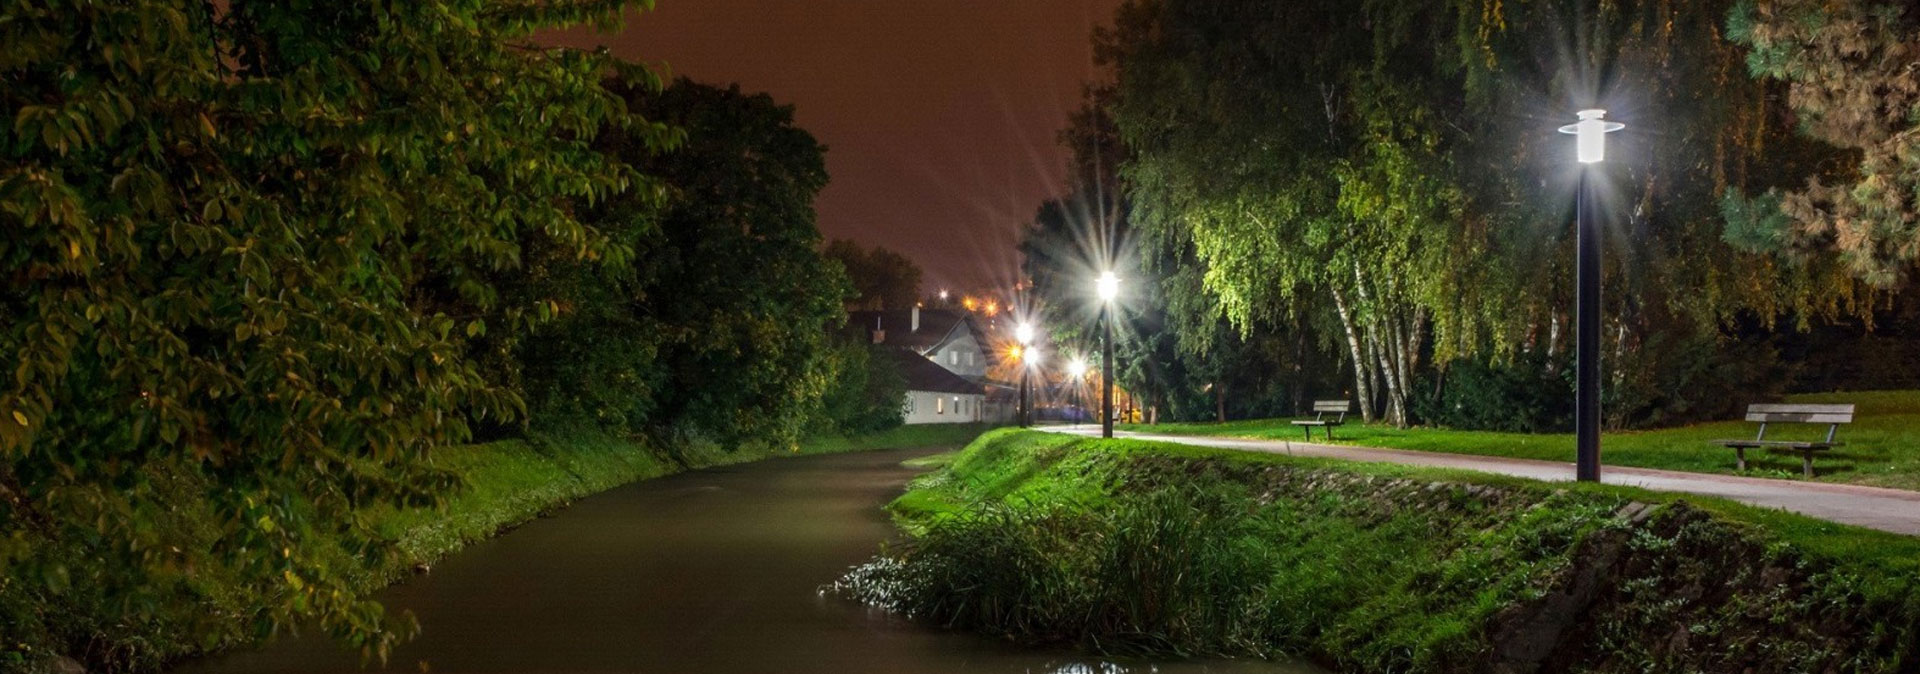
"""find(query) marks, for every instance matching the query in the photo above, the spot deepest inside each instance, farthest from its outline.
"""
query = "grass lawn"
(1882, 445)
(1139, 546)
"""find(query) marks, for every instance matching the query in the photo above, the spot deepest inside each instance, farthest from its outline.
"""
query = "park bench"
(1322, 408)
(1831, 415)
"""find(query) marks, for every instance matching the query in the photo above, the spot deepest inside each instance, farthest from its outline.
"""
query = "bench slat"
(1799, 418)
(1802, 408)
(1332, 406)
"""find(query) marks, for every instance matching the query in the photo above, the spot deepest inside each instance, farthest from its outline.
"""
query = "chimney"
(879, 335)
(916, 319)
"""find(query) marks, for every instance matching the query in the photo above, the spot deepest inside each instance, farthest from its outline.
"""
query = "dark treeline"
(1369, 200)
(263, 259)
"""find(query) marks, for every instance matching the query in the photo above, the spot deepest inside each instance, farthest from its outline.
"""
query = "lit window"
(939, 405)
(953, 357)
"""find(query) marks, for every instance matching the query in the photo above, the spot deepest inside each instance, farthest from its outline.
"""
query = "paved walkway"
(1894, 510)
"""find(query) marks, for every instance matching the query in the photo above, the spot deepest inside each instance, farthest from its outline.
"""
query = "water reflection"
(714, 571)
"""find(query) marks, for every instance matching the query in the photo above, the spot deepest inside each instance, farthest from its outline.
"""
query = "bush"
(1525, 396)
(864, 393)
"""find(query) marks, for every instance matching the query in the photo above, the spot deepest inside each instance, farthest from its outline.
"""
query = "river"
(709, 571)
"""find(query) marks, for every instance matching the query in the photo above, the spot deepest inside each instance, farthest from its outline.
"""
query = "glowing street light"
(1108, 286)
(1024, 333)
(1590, 135)
(1590, 147)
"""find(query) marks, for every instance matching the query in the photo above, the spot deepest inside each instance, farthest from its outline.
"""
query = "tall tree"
(245, 247)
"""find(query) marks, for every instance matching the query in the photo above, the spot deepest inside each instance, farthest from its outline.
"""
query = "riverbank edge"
(1489, 573)
(507, 483)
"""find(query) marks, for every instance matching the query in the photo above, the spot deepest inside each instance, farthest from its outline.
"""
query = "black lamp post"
(1590, 136)
(1109, 287)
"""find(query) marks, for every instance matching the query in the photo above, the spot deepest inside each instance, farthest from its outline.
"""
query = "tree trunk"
(1385, 339)
(1361, 373)
(1219, 401)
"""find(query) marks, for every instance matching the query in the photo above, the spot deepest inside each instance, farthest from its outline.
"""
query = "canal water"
(709, 571)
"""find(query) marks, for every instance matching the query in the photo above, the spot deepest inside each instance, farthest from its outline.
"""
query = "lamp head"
(1077, 368)
(1023, 332)
(1108, 285)
(1590, 135)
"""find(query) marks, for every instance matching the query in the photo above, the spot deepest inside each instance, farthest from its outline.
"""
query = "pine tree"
(1853, 70)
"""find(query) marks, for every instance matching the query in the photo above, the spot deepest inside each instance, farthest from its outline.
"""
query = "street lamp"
(1108, 286)
(1590, 145)
(1077, 371)
(1024, 333)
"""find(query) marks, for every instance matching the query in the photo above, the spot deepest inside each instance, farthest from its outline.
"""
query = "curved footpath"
(1893, 510)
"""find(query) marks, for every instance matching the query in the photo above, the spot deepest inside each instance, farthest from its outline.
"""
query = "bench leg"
(1806, 464)
(1309, 430)
(1741, 454)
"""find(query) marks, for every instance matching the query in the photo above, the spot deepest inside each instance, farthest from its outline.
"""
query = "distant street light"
(1108, 285)
(1590, 145)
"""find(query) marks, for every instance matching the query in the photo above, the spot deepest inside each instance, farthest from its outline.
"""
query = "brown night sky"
(939, 117)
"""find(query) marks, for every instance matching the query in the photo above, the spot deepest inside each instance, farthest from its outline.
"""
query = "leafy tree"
(1853, 84)
(717, 328)
(882, 279)
(246, 247)
(1386, 164)
(866, 392)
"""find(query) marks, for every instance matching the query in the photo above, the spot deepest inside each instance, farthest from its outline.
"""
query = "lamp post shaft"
(1586, 398)
(1026, 414)
(1106, 375)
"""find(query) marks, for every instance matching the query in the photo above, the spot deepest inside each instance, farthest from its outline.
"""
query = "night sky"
(939, 117)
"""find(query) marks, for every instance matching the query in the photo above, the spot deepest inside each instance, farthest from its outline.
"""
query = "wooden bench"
(1322, 408)
(1831, 415)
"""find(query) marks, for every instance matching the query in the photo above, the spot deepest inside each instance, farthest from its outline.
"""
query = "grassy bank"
(506, 483)
(512, 481)
(1128, 546)
(1883, 443)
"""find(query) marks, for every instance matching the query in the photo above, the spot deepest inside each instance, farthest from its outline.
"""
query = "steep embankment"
(1131, 546)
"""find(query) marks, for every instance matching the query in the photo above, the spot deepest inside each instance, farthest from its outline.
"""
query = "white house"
(935, 395)
(942, 360)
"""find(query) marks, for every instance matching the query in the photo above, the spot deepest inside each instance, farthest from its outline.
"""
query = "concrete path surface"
(1892, 510)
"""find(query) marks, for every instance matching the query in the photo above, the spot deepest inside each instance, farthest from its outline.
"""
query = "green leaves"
(230, 236)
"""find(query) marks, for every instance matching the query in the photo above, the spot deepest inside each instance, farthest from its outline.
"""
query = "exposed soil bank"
(1145, 547)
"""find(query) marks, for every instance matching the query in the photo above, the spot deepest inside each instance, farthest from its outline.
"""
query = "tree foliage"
(1390, 171)
(882, 279)
(248, 247)
(715, 328)
(1853, 73)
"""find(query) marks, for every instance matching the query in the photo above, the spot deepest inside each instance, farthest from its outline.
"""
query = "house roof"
(936, 326)
(925, 375)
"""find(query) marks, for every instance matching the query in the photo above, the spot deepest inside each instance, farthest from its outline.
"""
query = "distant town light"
(1590, 135)
(1109, 286)
(943, 295)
